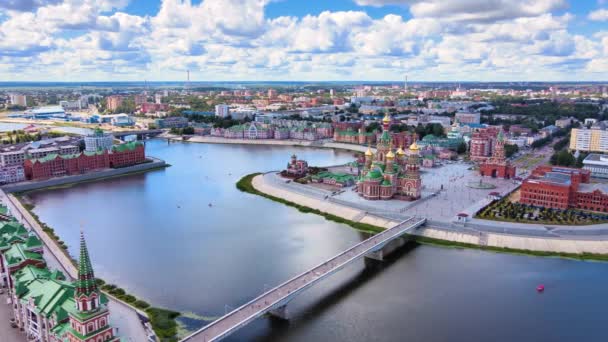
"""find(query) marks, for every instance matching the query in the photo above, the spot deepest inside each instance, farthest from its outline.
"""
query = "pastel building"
(589, 140)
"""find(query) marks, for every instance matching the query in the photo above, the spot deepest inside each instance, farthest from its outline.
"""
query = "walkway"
(276, 299)
(8, 334)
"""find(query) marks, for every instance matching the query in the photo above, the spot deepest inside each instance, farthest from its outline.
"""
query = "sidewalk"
(8, 334)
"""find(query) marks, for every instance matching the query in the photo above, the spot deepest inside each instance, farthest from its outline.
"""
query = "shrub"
(117, 292)
(140, 304)
(108, 287)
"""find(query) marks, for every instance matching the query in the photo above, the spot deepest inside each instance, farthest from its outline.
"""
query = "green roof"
(17, 254)
(386, 182)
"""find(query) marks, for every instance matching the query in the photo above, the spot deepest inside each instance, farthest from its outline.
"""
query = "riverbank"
(124, 315)
(267, 142)
(463, 238)
(154, 164)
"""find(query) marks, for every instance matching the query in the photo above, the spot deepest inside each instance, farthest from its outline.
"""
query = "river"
(156, 235)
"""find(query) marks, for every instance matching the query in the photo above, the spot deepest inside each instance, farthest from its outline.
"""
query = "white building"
(71, 105)
(12, 174)
(597, 164)
(98, 141)
(222, 110)
(158, 98)
(18, 100)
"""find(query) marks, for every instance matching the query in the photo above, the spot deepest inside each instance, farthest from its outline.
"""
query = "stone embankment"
(444, 232)
(108, 173)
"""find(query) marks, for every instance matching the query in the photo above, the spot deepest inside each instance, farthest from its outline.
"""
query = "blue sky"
(468, 40)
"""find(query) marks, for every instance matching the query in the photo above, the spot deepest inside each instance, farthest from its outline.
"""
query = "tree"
(510, 150)
(462, 148)
(563, 158)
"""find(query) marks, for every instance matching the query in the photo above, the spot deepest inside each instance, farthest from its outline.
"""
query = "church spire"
(86, 284)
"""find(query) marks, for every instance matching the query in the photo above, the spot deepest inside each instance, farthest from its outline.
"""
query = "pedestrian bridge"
(275, 301)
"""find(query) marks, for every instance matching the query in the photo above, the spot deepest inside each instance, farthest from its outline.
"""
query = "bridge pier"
(280, 312)
(387, 249)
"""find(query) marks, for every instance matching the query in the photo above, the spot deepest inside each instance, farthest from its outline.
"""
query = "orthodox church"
(387, 174)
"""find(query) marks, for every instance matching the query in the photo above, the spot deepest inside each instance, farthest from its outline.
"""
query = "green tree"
(510, 150)
(462, 148)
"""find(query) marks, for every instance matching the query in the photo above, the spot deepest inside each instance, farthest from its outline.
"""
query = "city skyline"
(429, 40)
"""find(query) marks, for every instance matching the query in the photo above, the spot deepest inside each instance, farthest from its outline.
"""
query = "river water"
(156, 235)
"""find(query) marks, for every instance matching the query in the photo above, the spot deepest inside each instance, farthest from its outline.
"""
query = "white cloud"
(233, 39)
(473, 10)
(599, 15)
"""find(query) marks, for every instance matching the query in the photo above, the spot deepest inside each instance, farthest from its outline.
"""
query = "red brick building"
(498, 165)
(563, 188)
(55, 165)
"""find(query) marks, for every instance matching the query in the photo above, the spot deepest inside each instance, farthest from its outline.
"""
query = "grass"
(453, 244)
(245, 185)
(163, 321)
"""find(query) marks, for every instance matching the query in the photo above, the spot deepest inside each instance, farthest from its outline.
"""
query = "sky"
(304, 40)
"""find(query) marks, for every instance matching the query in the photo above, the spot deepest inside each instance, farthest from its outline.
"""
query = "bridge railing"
(293, 279)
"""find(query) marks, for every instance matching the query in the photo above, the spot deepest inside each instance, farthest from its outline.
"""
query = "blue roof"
(191, 112)
(475, 125)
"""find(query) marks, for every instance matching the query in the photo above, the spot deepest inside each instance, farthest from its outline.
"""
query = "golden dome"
(369, 152)
(414, 147)
(387, 118)
(390, 155)
(400, 152)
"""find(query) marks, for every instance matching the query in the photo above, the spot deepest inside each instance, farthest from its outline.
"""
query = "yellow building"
(589, 140)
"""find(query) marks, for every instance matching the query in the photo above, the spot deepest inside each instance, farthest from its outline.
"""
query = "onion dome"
(390, 155)
(387, 118)
(400, 152)
(414, 147)
(369, 152)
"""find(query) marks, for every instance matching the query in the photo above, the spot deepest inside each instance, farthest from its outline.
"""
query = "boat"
(540, 288)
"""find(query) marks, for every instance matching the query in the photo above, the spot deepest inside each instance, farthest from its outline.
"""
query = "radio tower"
(187, 80)
(405, 86)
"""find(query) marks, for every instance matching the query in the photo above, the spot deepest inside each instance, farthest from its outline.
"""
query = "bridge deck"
(280, 295)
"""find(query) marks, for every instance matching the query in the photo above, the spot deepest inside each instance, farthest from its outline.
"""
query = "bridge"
(139, 133)
(274, 301)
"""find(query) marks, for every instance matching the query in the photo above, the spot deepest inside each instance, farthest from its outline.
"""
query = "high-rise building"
(222, 110)
(272, 93)
(158, 98)
(113, 102)
(589, 140)
(18, 100)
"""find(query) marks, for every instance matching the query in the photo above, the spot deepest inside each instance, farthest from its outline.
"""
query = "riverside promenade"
(125, 318)
(482, 233)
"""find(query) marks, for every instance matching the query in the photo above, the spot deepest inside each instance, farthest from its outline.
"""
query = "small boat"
(540, 288)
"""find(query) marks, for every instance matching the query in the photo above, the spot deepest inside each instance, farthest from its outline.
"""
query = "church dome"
(400, 152)
(390, 155)
(414, 147)
(387, 118)
(369, 152)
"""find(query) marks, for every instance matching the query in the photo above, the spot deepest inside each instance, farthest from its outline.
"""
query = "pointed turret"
(86, 278)
(86, 293)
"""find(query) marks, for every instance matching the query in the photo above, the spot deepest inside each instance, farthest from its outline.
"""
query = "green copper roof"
(17, 254)
(385, 137)
(86, 278)
(33, 242)
(385, 182)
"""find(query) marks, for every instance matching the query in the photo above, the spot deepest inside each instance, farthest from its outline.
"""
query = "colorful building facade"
(65, 165)
(389, 174)
(563, 188)
(498, 166)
